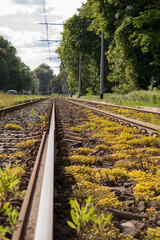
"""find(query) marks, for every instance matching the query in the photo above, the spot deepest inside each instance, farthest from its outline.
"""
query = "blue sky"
(19, 24)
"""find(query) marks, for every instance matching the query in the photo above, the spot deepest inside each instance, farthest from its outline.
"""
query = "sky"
(20, 24)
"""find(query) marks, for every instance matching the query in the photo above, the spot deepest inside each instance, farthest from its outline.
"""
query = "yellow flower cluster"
(26, 144)
(140, 116)
(153, 233)
(148, 141)
(13, 127)
(147, 185)
(101, 196)
(115, 173)
(101, 147)
(19, 154)
(82, 172)
(84, 151)
(83, 159)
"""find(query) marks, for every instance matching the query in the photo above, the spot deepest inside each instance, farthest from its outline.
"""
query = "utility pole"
(79, 85)
(102, 66)
(58, 89)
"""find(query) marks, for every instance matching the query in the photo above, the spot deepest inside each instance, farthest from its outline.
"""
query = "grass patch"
(7, 100)
(26, 144)
(13, 127)
(135, 98)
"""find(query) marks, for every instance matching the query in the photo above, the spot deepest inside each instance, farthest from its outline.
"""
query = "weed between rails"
(10, 180)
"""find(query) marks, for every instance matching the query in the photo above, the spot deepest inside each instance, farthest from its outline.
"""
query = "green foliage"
(131, 34)
(79, 215)
(14, 74)
(44, 74)
(3, 231)
(9, 181)
(76, 41)
(12, 215)
(32, 112)
(100, 224)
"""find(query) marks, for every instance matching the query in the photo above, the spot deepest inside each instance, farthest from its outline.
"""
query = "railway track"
(144, 127)
(107, 161)
(23, 145)
(88, 152)
(96, 103)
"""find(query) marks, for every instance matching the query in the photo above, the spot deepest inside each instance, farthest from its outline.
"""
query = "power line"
(46, 23)
(52, 41)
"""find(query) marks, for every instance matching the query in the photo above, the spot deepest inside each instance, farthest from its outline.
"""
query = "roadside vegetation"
(135, 99)
(7, 100)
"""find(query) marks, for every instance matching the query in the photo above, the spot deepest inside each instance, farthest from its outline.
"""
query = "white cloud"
(64, 8)
(9, 7)
(21, 38)
(19, 24)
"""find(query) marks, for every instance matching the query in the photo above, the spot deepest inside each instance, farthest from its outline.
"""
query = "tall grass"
(6, 100)
(135, 98)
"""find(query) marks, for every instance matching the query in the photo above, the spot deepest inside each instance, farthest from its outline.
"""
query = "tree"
(35, 83)
(4, 80)
(78, 40)
(132, 32)
(146, 39)
(59, 82)
(14, 74)
(45, 74)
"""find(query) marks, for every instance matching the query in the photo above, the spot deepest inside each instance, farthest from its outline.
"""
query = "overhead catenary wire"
(46, 23)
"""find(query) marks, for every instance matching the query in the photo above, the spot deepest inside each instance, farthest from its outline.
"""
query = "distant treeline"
(14, 74)
(131, 46)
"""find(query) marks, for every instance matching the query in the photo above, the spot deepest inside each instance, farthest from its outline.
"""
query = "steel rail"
(19, 106)
(44, 226)
(17, 235)
(144, 127)
(113, 105)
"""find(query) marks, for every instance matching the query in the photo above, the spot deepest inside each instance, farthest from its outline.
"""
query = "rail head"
(44, 225)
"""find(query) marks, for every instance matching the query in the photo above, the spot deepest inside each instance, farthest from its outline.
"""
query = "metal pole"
(58, 88)
(79, 86)
(102, 66)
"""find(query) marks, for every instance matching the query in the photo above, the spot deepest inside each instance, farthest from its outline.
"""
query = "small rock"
(134, 232)
(128, 184)
(130, 229)
(127, 225)
(141, 206)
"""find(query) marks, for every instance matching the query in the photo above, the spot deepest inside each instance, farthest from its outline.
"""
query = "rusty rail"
(143, 127)
(116, 106)
(19, 106)
(28, 221)
(18, 233)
